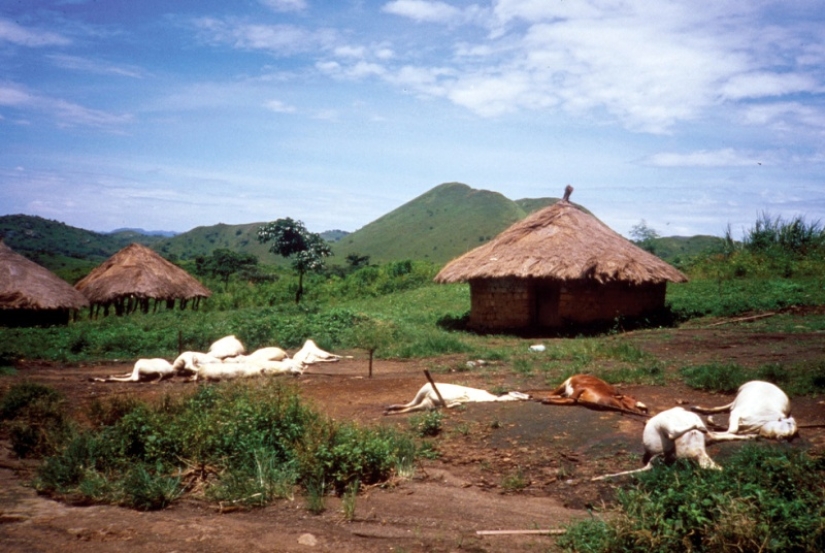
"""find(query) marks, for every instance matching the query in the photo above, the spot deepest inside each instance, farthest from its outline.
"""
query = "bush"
(260, 438)
(36, 418)
(715, 377)
(766, 499)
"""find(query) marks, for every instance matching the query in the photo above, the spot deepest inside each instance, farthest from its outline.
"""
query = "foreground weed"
(349, 499)
(35, 416)
(715, 377)
(768, 498)
(515, 481)
(427, 424)
(316, 496)
(261, 441)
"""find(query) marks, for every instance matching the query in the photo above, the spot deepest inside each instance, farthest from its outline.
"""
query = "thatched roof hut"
(558, 266)
(33, 295)
(134, 276)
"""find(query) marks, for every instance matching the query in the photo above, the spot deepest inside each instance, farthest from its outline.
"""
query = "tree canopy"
(306, 250)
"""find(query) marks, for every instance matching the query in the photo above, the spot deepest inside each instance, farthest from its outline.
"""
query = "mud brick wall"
(510, 303)
(501, 303)
(584, 301)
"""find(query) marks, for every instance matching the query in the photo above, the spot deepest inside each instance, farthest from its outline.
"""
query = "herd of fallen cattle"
(760, 409)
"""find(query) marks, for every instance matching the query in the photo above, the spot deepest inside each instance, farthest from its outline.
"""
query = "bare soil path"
(501, 465)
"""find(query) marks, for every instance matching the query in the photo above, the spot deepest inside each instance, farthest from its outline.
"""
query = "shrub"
(261, 440)
(427, 424)
(36, 418)
(766, 499)
(715, 377)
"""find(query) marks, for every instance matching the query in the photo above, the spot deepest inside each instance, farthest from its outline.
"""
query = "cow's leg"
(557, 400)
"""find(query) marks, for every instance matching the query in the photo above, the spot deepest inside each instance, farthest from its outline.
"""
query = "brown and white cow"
(590, 391)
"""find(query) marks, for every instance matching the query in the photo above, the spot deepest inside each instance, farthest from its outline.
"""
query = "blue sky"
(691, 116)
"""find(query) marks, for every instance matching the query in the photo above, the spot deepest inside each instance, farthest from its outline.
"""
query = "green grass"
(260, 440)
(796, 379)
(768, 498)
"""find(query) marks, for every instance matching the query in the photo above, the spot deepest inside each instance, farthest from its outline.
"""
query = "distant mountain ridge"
(163, 233)
(437, 226)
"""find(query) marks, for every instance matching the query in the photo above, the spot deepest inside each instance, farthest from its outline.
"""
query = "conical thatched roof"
(560, 242)
(26, 285)
(137, 271)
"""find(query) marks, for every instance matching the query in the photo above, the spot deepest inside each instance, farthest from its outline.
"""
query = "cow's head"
(782, 429)
(631, 404)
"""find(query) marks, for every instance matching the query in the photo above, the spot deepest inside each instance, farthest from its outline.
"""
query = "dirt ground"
(486, 451)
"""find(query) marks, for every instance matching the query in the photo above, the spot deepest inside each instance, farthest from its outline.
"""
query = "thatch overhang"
(25, 285)
(564, 243)
(139, 273)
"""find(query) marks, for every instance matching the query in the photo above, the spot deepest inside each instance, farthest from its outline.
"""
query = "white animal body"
(188, 361)
(268, 354)
(228, 346)
(453, 395)
(284, 366)
(227, 371)
(673, 434)
(145, 369)
(310, 353)
(760, 408)
(260, 355)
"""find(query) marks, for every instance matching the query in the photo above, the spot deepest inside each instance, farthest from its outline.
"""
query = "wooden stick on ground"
(432, 383)
(742, 319)
(520, 532)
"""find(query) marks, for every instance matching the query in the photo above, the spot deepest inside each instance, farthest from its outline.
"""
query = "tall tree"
(644, 236)
(305, 250)
(224, 263)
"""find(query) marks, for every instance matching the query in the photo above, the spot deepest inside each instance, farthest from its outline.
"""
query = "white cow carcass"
(188, 361)
(216, 372)
(760, 409)
(144, 369)
(228, 346)
(453, 395)
(284, 366)
(673, 434)
(310, 354)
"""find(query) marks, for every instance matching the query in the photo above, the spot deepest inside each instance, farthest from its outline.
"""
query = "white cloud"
(786, 116)
(726, 157)
(761, 84)
(16, 34)
(65, 113)
(276, 39)
(95, 66)
(423, 10)
(285, 5)
(349, 51)
(279, 107)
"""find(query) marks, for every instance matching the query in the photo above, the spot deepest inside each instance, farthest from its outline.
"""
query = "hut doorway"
(547, 296)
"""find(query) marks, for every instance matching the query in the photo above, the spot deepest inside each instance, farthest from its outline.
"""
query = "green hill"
(68, 251)
(679, 249)
(439, 225)
(204, 240)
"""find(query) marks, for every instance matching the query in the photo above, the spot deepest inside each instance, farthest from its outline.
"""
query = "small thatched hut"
(32, 295)
(557, 267)
(134, 276)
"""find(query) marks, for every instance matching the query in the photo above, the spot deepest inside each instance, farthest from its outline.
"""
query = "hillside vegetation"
(439, 225)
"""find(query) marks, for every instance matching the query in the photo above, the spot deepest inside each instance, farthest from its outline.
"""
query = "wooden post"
(372, 351)
(432, 383)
